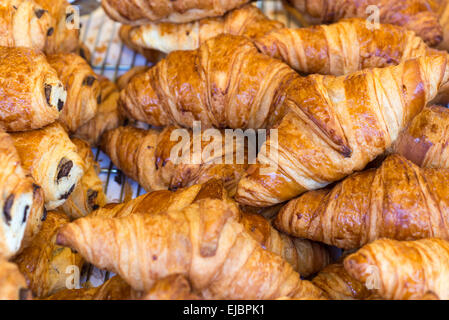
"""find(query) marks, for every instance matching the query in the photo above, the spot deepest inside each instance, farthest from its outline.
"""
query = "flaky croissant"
(125, 78)
(31, 94)
(337, 125)
(141, 12)
(53, 161)
(225, 83)
(203, 242)
(426, 139)
(16, 198)
(415, 15)
(88, 194)
(145, 156)
(24, 24)
(12, 283)
(172, 287)
(398, 200)
(83, 89)
(46, 265)
(107, 116)
(403, 270)
(151, 55)
(247, 21)
(346, 46)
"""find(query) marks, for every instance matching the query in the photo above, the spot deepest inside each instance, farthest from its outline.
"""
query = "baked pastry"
(225, 83)
(151, 55)
(141, 12)
(204, 242)
(146, 157)
(398, 200)
(16, 198)
(46, 265)
(83, 89)
(172, 287)
(246, 21)
(12, 283)
(31, 94)
(346, 46)
(415, 15)
(426, 139)
(337, 125)
(37, 214)
(88, 194)
(24, 24)
(403, 270)
(53, 161)
(107, 117)
(125, 78)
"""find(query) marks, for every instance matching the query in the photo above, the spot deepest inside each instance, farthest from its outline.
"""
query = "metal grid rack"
(111, 58)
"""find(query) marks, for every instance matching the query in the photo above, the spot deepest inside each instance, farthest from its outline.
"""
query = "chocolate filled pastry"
(12, 283)
(146, 157)
(83, 89)
(16, 198)
(31, 94)
(53, 161)
(107, 116)
(45, 265)
(246, 21)
(36, 216)
(84, 52)
(23, 23)
(141, 12)
(88, 194)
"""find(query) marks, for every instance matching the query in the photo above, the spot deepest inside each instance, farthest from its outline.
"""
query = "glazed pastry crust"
(31, 94)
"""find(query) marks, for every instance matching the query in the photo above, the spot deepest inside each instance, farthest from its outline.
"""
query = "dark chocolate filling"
(39, 13)
(25, 214)
(7, 208)
(99, 99)
(50, 32)
(67, 194)
(44, 215)
(89, 81)
(64, 168)
(47, 90)
(60, 104)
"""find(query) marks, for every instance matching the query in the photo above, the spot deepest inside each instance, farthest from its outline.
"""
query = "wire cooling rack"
(111, 58)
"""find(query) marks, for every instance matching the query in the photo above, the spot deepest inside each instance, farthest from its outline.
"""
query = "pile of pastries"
(362, 152)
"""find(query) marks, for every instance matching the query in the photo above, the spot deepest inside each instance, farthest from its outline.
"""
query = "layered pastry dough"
(173, 287)
(53, 161)
(36, 216)
(12, 283)
(31, 94)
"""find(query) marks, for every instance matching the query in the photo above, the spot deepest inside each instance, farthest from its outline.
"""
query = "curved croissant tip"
(61, 240)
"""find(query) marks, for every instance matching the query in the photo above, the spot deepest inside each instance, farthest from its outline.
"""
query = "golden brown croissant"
(226, 83)
(83, 89)
(107, 117)
(24, 24)
(12, 283)
(53, 161)
(346, 46)
(88, 194)
(172, 287)
(442, 10)
(16, 199)
(31, 94)
(403, 270)
(247, 21)
(426, 139)
(46, 265)
(141, 12)
(203, 242)
(398, 200)
(145, 156)
(415, 15)
(125, 78)
(337, 125)
(66, 33)
(151, 55)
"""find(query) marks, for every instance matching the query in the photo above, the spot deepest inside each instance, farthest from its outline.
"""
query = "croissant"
(172, 287)
(398, 200)
(403, 270)
(16, 198)
(225, 83)
(151, 55)
(45, 265)
(141, 12)
(415, 15)
(24, 24)
(107, 117)
(337, 125)
(125, 78)
(247, 21)
(441, 8)
(12, 283)
(88, 194)
(346, 46)
(83, 89)
(145, 156)
(31, 94)
(204, 242)
(426, 139)
(53, 161)
(65, 36)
